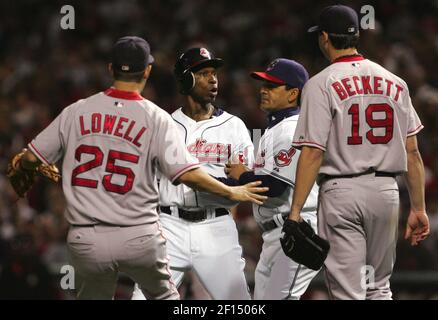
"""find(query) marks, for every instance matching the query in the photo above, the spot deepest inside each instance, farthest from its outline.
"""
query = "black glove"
(301, 244)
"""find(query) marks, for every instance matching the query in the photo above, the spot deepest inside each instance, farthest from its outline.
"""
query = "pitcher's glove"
(22, 179)
(303, 245)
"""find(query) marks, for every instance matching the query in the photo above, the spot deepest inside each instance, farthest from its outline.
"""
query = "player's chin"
(211, 97)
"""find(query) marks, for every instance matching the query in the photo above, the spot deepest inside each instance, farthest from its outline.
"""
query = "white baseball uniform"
(361, 115)
(112, 145)
(277, 276)
(210, 247)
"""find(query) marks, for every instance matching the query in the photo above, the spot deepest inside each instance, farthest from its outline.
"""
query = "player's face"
(274, 97)
(206, 85)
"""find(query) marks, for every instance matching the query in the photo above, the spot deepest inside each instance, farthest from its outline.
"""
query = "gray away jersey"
(360, 114)
(112, 145)
(278, 158)
(213, 142)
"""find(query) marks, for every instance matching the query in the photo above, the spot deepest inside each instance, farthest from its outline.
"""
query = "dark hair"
(343, 41)
(128, 77)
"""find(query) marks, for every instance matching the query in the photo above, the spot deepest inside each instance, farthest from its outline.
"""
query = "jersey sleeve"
(315, 117)
(172, 155)
(414, 122)
(48, 145)
(280, 159)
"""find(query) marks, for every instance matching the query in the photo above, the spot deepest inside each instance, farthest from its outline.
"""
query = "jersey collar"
(277, 116)
(127, 95)
(349, 58)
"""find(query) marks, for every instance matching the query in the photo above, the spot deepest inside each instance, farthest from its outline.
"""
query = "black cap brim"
(313, 29)
(215, 63)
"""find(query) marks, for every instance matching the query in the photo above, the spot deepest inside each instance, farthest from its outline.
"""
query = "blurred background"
(44, 68)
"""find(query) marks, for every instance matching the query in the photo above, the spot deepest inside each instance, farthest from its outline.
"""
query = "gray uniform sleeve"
(315, 117)
(172, 155)
(414, 122)
(49, 144)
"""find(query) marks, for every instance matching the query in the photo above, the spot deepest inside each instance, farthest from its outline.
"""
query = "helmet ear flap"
(187, 82)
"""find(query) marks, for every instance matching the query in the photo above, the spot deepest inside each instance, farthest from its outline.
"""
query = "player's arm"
(199, 180)
(307, 170)
(242, 175)
(417, 227)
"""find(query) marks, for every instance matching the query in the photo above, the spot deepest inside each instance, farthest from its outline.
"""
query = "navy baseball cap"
(195, 59)
(284, 72)
(131, 54)
(337, 19)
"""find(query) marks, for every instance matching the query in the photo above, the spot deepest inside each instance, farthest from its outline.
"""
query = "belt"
(276, 222)
(195, 216)
(327, 177)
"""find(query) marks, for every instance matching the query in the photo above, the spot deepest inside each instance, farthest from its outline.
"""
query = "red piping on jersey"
(126, 95)
(349, 58)
(416, 130)
(310, 143)
(38, 153)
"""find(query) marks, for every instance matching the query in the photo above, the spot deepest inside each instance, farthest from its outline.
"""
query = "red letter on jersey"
(120, 127)
(128, 131)
(355, 81)
(366, 85)
(377, 83)
(347, 86)
(399, 89)
(339, 90)
(81, 122)
(143, 129)
(108, 124)
(96, 120)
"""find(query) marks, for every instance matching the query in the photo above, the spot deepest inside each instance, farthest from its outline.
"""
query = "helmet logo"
(204, 52)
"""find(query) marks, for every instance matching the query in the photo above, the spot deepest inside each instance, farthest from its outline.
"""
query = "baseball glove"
(301, 244)
(22, 179)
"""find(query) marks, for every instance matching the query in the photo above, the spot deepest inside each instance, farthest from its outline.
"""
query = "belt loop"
(174, 210)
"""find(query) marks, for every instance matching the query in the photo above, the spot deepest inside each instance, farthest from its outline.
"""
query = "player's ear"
(147, 72)
(325, 36)
(293, 95)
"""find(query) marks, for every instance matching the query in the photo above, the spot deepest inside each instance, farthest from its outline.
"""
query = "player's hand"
(234, 170)
(417, 227)
(249, 193)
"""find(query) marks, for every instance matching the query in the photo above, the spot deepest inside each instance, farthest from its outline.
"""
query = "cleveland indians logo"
(204, 52)
(284, 157)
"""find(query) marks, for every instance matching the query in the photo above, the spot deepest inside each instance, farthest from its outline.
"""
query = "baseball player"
(276, 276)
(112, 144)
(201, 233)
(358, 130)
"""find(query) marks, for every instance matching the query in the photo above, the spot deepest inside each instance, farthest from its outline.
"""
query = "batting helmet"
(191, 61)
